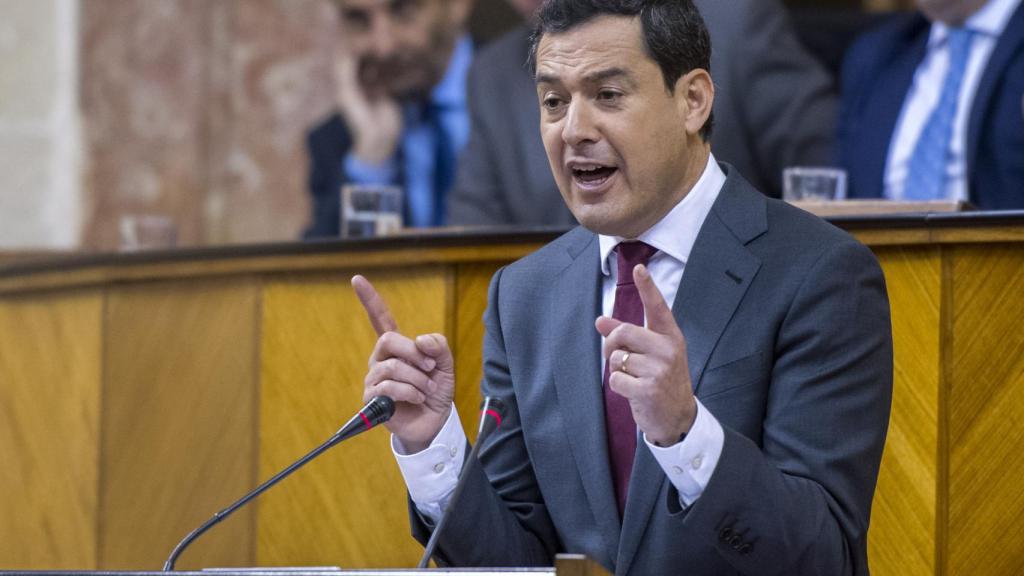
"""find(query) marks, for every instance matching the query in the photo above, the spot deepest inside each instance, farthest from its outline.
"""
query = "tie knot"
(629, 255)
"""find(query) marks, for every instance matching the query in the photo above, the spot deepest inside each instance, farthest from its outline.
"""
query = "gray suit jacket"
(789, 345)
(775, 107)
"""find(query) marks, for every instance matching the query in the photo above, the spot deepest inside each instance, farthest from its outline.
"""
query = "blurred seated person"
(774, 107)
(933, 106)
(400, 75)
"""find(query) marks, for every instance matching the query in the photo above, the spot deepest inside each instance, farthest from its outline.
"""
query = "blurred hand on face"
(373, 117)
(418, 374)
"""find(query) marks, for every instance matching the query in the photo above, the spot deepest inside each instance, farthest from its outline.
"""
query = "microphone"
(376, 411)
(492, 410)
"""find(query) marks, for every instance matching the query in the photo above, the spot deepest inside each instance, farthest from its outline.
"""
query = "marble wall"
(40, 200)
(197, 110)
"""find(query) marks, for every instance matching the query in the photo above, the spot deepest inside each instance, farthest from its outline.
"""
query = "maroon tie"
(618, 417)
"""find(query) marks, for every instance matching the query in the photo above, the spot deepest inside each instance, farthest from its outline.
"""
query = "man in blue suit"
(933, 106)
(400, 75)
(697, 379)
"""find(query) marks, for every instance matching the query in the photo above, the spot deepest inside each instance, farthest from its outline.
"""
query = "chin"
(600, 222)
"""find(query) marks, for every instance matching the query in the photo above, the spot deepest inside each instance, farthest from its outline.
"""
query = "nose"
(579, 125)
(382, 37)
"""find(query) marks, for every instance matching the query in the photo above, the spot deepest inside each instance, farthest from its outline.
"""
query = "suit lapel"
(714, 282)
(1009, 44)
(578, 382)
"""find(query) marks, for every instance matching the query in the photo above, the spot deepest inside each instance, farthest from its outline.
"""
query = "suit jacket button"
(725, 534)
(745, 549)
(736, 541)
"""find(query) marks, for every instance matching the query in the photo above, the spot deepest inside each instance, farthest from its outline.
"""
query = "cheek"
(551, 136)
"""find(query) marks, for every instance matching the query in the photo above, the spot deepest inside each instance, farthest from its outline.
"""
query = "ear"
(695, 96)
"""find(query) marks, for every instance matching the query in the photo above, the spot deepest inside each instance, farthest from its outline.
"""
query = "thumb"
(436, 346)
(659, 316)
(605, 325)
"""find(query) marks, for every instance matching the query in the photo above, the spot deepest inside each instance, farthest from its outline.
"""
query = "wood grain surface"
(347, 508)
(986, 412)
(50, 369)
(903, 532)
(472, 282)
(179, 415)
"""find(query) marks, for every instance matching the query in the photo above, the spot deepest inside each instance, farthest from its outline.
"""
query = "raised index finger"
(376, 309)
(659, 315)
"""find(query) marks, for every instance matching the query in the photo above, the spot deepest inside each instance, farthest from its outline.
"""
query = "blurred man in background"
(775, 108)
(933, 106)
(400, 74)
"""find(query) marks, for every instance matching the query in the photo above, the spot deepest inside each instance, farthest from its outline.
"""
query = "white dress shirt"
(922, 99)
(431, 475)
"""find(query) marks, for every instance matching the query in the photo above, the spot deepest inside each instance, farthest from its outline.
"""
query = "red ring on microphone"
(494, 415)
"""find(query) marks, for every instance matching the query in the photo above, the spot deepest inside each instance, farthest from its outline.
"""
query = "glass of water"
(813, 183)
(147, 232)
(370, 211)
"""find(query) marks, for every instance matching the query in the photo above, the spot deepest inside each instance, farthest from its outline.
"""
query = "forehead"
(606, 41)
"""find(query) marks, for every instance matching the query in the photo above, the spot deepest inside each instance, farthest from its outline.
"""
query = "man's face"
(402, 46)
(951, 12)
(623, 149)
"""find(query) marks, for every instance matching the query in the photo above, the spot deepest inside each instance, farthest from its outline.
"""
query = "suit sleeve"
(800, 502)
(787, 99)
(501, 518)
(477, 199)
(326, 147)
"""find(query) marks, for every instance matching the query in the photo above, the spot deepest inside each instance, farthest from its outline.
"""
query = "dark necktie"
(444, 163)
(617, 414)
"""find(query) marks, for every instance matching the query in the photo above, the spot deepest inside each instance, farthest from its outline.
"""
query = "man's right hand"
(373, 117)
(419, 375)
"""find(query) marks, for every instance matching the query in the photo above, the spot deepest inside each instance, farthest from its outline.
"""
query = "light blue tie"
(926, 179)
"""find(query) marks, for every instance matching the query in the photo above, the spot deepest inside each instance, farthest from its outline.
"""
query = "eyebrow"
(591, 78)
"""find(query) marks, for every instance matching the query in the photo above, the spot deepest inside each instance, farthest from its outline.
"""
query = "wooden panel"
(471, 301)
(986, 419)
(346, 508)
(49, 431)
(179, 415)
(903, 520)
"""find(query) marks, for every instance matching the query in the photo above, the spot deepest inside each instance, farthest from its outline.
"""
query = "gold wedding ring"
(622, 365)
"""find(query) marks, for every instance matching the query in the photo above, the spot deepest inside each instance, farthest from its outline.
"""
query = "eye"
(552, 102)
(607, 95)
(356, 20)
(404, 10)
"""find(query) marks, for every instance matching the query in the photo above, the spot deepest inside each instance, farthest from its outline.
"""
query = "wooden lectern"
(140, 393)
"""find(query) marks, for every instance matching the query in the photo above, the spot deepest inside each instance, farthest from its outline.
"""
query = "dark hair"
(675, 35)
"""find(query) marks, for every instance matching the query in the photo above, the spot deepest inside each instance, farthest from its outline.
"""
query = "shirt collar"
(451, 91)
(991, 20)
(675, 234)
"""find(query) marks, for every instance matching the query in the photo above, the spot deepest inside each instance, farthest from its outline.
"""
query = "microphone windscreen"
(379, 410)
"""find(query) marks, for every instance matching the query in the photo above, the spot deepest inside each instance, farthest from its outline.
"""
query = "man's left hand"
(656, 376)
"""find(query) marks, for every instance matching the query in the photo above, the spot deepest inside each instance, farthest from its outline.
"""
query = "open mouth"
(592, 176)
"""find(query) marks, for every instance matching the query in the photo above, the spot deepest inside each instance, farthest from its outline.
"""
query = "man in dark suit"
(933, 106)
(776, 108)
(737, 432)
(400, 74)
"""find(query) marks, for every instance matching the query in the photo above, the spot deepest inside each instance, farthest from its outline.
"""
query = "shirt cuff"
(359, 172)
(690, 463)
(431, 475)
